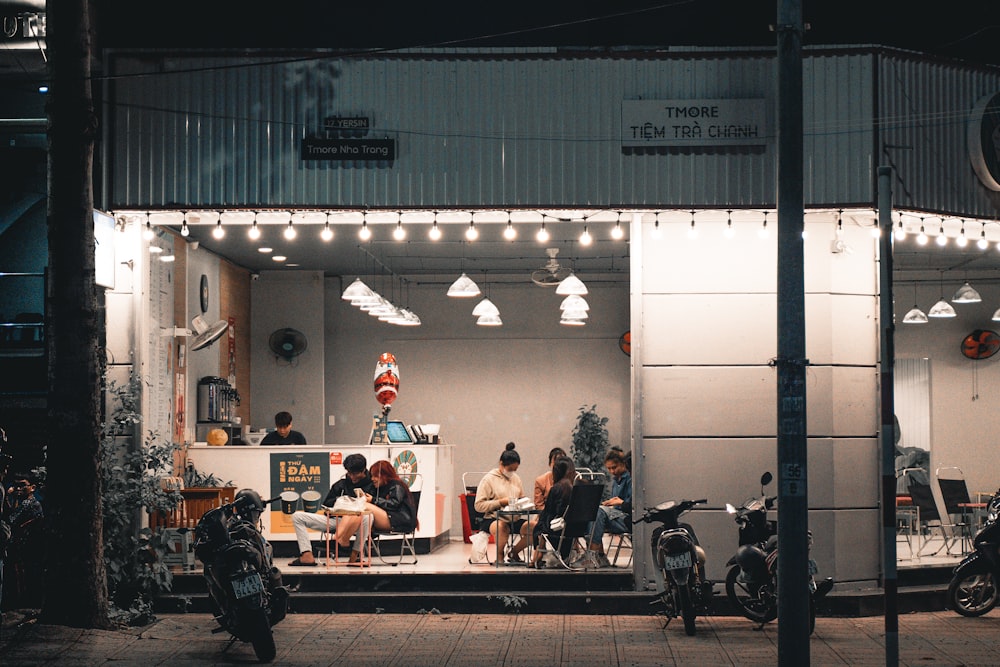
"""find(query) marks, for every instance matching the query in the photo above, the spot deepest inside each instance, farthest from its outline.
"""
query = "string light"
(962, 240)
(941, 239)
(218, 232)
(922, 236)
(185, 231)
(289, 230)
(148, 232)
(435, 232)
(657, 233)
(472, 233)
(982, 243)
(510, 233)
(364, 234)
(254, 231)
(764, 232)
(900, 230)
(543, 234)
(585, 237)
(692, 231)
(618, 232)
(730, 232)
(399, 233)
(327, 233)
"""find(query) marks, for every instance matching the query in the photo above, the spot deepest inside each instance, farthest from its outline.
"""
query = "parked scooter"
(973, 587)
(243, 584)
(752, 581)
(680, 563)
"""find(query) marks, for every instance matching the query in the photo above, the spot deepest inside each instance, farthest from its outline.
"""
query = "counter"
(273, 470)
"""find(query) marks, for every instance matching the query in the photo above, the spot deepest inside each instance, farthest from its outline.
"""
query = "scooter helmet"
(753, 561)
(249, 504)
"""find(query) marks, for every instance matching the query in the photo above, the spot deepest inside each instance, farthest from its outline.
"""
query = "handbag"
(557, 524)
(348, 504)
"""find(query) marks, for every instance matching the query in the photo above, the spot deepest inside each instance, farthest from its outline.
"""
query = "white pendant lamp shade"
(570, 322)
(485, 307)
(489, 321)
(966, 294)
(996, 315)
(571, 285)
(407, 318)
(357, 290)
(574, 302)
(941, 309)
(915, 316)
(463, 287)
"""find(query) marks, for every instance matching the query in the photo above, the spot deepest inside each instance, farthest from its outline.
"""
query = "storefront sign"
(315, 148)
(984, 140)
(707, 123)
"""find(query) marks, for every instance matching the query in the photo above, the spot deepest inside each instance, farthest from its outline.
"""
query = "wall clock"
(203, 293)
(981, 344)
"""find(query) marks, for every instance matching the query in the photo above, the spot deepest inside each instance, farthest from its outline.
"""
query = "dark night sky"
(969, 29)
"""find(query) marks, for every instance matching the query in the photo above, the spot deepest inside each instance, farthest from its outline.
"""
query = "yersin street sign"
(648, 123)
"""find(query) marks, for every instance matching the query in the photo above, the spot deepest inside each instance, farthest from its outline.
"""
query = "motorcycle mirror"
(730, 509)
(766, 478)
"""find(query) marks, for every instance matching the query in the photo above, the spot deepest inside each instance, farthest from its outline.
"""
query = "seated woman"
(563, 474)
(498, 488)
(392, 505)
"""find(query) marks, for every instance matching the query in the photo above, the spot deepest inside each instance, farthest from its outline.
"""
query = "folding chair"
(407, 544)
(957, 503)
(578, 520)
(618, 542)
(930, 518)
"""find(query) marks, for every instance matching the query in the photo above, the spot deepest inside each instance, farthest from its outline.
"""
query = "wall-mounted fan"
(206, 334)
(981, 344)
(287, 343)
(551, 274)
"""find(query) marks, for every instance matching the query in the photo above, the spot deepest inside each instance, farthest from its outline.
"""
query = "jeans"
(609, 520)
(305, 521)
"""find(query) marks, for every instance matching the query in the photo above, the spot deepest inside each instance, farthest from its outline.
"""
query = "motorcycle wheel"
(746, 602)
(973, 595)
(258, 627)
(687, 609)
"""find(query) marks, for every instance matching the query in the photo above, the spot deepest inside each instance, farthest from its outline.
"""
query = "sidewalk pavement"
(478, 640)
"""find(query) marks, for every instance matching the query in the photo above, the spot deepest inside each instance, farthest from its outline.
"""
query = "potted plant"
(590, 439)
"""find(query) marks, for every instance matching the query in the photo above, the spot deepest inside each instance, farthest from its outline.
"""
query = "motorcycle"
(244, 587)
(752, 581)
(972, 590)
(680, 563)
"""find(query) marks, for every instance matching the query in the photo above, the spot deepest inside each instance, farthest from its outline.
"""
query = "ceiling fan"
(552, 273)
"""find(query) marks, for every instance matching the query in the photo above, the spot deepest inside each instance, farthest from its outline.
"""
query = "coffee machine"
(217, 401)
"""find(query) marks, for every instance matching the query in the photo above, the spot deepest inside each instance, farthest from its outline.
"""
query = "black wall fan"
(287, 343)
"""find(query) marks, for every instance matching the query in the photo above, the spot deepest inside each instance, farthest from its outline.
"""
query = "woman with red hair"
(392, 506)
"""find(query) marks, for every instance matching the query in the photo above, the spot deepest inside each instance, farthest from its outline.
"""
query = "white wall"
(295, 299)
(708, 395)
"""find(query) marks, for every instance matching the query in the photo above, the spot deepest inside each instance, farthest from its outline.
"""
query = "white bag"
(348, 504)
(480, 543)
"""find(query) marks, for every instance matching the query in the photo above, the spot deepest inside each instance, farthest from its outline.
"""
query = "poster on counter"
(302, 481)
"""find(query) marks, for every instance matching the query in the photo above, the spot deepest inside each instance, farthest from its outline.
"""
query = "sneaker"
(600, 560)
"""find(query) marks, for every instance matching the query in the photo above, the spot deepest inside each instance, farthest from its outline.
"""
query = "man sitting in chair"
(615, 514)
(357, 477)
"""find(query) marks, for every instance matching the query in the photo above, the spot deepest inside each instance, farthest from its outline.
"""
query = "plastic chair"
(407, 544)
(578, 517)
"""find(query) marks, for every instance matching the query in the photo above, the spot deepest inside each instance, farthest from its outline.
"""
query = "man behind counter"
(284, 435)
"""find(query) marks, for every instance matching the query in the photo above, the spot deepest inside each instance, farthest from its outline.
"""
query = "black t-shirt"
(293, 438)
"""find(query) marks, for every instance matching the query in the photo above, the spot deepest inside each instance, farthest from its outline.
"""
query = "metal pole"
(888, 430)
(793, 518)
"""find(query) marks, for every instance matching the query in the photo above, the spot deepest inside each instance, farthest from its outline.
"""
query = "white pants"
(305, 521)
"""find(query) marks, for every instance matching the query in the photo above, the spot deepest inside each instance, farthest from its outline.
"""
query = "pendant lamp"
(966, 294)
(464, 287)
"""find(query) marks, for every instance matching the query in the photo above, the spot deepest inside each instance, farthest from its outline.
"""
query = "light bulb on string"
(399, 233)
(764, 232)
(962, 239)
(585, 238)
(692, 230)
(148, 232)
(218, 232)
(290, 231)
(730, 233)
(941, 239)
(617, 232)
(472, 233)
(900, 230)
(922, 236)
(364, 233)
(327, 233)
(982, 243)
(509, 232)
(254, 231)
(657, 233)
(543, 234)
(434, 233)
(185, 230)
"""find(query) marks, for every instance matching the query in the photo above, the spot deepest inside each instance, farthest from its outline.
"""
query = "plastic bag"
(480, 543)
(348, 504)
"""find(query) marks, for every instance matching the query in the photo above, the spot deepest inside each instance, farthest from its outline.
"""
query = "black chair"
(407, 543)
(578, 521)
(958, 505)
(930, 517)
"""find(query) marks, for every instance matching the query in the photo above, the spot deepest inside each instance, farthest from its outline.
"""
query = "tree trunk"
(75, 583)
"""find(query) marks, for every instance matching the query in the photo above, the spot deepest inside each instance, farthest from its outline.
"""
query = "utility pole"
(793, 497)
(888, 432)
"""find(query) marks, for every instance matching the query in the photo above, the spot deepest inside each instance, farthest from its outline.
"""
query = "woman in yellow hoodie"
(499, 488)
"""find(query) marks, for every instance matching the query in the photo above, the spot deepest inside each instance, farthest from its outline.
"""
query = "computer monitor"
(397, 433)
